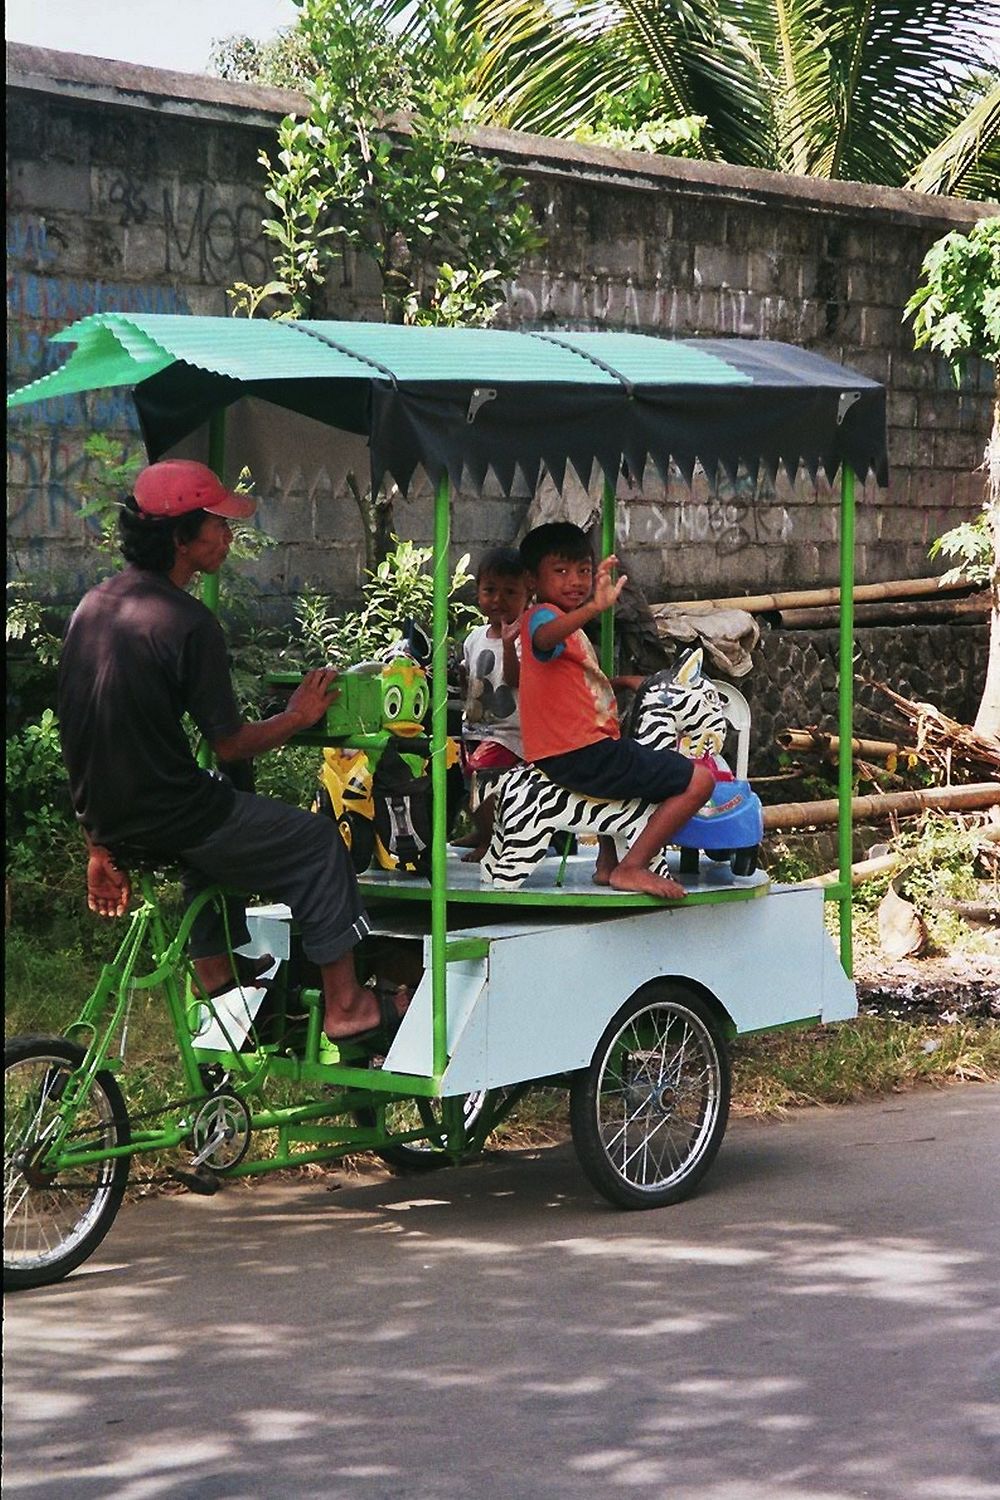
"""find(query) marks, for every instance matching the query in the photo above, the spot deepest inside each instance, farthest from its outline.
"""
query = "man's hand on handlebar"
(305, 707)
(314, 695)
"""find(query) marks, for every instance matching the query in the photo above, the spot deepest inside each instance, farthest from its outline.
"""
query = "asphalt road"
(820, 1323)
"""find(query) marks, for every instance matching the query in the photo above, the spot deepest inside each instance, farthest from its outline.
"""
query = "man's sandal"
(374, 1039)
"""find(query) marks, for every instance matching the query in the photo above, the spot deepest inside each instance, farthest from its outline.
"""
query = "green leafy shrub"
(400, 587)
(938, 860)
(970, 547)
(43, 843)
(444, 224)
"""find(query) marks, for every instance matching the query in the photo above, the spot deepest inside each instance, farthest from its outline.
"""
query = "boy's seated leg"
(482, 820)
(607, 860)
(632, 873)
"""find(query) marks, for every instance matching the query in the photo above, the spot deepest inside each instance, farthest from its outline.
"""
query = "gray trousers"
(272, 849)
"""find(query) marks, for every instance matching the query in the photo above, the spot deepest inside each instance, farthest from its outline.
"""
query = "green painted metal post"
(439, 790)
(217, 463)
(845, 726)
(607, 547)
(210, 581)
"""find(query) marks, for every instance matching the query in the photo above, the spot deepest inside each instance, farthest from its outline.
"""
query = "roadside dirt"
(950, 987)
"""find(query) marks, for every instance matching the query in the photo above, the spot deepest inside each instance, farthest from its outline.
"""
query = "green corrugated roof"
(125, 349)
(460, 402)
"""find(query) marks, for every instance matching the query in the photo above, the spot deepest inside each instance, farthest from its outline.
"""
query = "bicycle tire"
(649, 1113)
(50, 1228)
(410, 1114)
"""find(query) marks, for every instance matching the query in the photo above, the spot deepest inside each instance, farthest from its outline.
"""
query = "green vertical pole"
(217, 463)
(845, 725)
(210, 581)
(607, 547)
(439, 735)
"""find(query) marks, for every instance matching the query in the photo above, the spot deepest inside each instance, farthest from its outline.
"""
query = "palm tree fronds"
(971, 149)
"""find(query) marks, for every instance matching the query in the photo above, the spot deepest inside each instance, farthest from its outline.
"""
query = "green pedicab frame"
(459, 402)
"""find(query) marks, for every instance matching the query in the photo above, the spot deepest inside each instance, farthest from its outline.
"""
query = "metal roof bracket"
(480, 395)
(847, 400)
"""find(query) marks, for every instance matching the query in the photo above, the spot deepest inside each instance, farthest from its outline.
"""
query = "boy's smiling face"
(502, 597)
(564, 582)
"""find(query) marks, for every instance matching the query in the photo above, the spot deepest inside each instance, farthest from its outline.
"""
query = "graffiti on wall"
(729, 526)
(728, 516)
(606, 301)
(45, 444)
(208, 243)
(40, 301)
(127, 197)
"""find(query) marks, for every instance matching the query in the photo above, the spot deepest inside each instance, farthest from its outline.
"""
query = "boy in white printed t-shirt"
(491, 723)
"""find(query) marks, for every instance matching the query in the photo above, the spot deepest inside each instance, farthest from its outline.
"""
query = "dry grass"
(852, 1060)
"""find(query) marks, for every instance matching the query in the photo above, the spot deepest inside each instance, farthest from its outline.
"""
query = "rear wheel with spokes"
(53, 1221)
(649, 1113)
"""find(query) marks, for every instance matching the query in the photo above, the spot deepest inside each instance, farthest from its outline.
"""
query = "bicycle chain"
(151, 1114)
(146, 1114)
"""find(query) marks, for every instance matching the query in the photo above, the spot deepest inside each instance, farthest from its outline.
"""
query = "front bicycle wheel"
(649, 1113)
(52, 1222)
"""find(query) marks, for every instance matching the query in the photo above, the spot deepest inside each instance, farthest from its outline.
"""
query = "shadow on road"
(817, 1324)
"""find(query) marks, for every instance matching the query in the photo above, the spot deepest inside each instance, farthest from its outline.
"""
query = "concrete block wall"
(138, 189)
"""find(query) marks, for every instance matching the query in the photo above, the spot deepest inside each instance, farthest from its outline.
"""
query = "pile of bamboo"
(904, 600)
(939, 742)
(815, 741)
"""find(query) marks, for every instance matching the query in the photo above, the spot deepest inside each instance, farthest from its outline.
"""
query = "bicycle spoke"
(658, 1096)
(50, 1223)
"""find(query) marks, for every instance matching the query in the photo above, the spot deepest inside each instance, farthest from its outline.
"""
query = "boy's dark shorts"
(620, 769)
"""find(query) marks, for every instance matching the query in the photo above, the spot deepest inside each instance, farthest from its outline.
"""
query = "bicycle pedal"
(197, 1180)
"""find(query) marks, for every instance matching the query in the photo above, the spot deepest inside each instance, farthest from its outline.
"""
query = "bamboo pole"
(879, 863)
(841, 891)
(902, 588)
(788, 815)
(815, 742)
(890, 612)
(862, 871)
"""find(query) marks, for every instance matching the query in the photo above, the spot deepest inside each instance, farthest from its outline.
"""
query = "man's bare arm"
(306, 706)
(511, 668)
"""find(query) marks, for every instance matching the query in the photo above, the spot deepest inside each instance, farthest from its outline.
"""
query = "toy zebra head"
(679, 709)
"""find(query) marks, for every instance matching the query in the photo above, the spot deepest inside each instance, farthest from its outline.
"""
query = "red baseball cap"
(177, 485)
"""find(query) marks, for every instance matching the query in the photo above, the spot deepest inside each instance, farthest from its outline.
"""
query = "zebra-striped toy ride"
(678, 709)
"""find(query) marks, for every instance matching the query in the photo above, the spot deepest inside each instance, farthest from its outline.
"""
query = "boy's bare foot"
(638, 878)
(468, 841)
(475, 855)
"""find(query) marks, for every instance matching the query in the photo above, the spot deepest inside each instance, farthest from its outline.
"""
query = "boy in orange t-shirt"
(569, 719)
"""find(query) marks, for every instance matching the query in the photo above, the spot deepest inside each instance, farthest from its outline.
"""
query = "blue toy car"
(728, 828)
